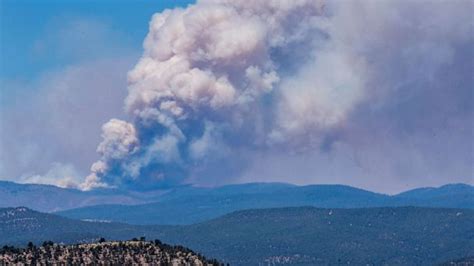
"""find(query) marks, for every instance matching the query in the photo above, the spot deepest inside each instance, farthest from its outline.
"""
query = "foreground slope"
(200, 204)
(303, 235)
(104, 253)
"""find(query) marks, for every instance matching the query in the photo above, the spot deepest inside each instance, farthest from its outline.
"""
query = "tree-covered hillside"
(374, 236)
(303, 235)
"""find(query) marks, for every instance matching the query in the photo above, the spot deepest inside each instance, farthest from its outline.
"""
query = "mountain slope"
(303, 235)
(197, 205)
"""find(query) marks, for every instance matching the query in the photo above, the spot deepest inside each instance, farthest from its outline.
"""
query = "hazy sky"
(377, 95)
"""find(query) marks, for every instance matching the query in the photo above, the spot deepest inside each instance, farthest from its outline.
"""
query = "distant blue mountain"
(452, 195)
(49, 198)
(196, 204)
(191, 205)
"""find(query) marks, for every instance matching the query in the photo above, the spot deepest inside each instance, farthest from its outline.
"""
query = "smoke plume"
(222, 80)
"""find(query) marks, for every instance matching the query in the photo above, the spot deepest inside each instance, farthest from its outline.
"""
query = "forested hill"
(299, 235)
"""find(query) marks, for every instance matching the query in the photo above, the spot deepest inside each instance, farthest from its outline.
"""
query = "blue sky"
(342, 93)
(25, 23)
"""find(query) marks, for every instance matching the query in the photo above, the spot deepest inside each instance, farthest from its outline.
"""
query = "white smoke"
(225, 75)
(119, 140)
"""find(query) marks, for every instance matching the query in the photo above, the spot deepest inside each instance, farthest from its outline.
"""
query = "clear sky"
(377, 95)
(26, 24)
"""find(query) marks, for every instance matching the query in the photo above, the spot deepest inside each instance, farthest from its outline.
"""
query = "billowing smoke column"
(222, 78)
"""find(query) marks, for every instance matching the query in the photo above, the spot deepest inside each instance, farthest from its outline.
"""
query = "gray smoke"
(221, 81)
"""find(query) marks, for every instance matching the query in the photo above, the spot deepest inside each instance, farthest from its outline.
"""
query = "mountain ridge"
(204, 205)
(48, 198)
